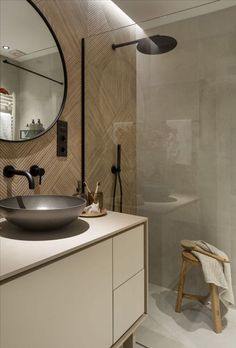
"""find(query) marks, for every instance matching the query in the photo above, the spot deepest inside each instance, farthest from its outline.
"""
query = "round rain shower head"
(156, 44)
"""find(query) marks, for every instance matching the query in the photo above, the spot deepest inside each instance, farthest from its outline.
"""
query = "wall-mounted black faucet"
(37, 171)
(10, 171)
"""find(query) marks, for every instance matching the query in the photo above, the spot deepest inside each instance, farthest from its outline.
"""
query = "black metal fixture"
(116, 169)
(62, 138)
(32, 72)
(156, 44)
(37, 171)
(10, 171)
(83, 114)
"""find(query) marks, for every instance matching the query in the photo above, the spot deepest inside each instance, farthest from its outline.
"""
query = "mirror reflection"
(32, 77)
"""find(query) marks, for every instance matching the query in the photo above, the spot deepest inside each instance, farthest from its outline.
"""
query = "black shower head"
(156, 44)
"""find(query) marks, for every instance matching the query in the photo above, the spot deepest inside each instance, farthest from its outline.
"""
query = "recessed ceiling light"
(5, 47)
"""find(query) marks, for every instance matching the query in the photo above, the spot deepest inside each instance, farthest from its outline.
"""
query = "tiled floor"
(190, 329)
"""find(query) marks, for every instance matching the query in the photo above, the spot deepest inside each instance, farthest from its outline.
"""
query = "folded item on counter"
(92, 208)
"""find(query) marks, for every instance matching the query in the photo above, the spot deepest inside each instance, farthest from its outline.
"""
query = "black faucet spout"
(10, 171)
(28, 176)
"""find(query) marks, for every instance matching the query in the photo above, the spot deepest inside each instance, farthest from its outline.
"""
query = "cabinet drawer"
(128, 304)
(128, 255)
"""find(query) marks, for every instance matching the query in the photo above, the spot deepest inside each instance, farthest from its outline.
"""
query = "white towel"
(216, 272)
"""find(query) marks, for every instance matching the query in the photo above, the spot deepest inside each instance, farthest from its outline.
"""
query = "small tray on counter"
(92, 215)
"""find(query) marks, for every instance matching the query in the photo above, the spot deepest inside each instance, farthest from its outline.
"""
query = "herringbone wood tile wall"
(71, 20)
(111, 110)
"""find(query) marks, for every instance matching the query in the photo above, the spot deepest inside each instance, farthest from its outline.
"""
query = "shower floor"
(164, 328)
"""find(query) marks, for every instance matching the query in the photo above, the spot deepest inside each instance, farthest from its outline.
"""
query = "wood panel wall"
(71, 20)
(111, 110)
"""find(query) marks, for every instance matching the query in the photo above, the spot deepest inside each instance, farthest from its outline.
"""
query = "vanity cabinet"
(94, 297)
(67, 304)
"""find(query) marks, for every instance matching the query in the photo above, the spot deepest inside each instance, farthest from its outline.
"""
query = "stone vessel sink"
(40, 212)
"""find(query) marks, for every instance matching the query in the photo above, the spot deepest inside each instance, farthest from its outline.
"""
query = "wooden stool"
(189, 259)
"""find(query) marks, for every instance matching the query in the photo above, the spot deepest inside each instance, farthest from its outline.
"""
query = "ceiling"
(22, 29)
(158, 12)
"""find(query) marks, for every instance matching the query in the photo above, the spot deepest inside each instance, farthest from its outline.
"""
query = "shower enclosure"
(174, 115)
(186, 141)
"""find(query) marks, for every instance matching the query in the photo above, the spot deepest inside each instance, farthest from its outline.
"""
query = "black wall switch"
(62, 138)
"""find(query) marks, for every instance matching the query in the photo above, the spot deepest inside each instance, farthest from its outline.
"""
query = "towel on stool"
(216, 272)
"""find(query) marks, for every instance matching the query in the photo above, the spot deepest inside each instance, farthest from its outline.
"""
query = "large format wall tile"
(195, 83)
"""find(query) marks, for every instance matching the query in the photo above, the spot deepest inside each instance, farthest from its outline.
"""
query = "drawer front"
(128, 255)
(128, 304)
(66, 304)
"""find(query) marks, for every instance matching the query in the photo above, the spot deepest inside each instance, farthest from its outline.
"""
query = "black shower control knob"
(113, 169)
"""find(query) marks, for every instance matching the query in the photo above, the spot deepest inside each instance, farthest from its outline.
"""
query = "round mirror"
(33, 79)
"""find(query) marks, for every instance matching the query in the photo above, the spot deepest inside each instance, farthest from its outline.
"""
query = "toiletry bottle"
(39, 125)
(27, 128)
(32, 125)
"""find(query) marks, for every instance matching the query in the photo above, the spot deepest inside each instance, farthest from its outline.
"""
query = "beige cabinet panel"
(67, 303)
(128, 304)
(128, 255)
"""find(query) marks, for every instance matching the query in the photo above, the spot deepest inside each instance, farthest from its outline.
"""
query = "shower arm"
(155, 44)
(114, 46)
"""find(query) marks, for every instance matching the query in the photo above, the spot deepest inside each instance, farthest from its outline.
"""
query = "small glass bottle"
(32, 125)
(39, 125)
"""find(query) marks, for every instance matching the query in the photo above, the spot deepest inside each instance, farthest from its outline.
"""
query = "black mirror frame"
(64, 72)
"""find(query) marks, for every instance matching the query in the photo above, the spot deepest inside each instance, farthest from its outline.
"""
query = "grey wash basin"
(40, 212)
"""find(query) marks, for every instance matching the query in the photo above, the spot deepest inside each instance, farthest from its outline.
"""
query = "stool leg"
(181, 286)
(215, 303)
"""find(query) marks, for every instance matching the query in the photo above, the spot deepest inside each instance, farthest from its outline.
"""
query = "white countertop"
(23, 250)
